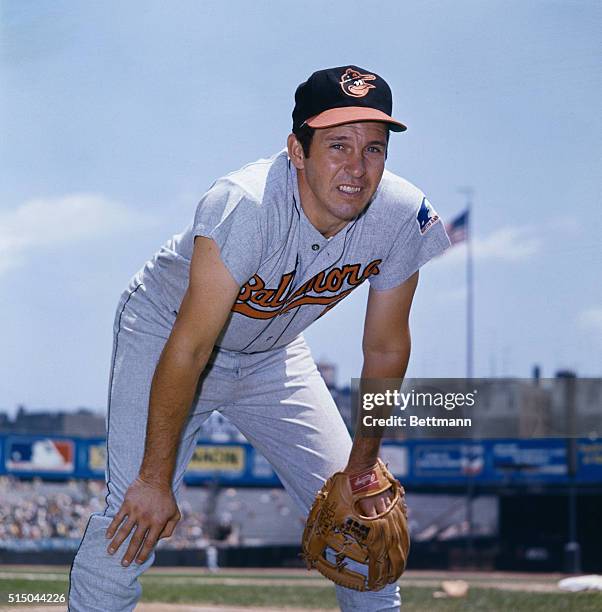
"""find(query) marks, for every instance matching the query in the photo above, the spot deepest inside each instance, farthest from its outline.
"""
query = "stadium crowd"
(37, 515)
(40, 514)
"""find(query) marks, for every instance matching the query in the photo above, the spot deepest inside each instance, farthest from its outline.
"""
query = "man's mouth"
(350, 189)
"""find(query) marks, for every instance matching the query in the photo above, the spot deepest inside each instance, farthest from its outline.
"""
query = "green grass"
(18, 585)
(236, 575)
(157, 588)
(414, 598)
(274, 596)
(485, 600)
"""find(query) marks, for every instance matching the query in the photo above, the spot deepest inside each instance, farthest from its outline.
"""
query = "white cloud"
(567, 225)
(48, 222)
(590, 320)
(509, 244)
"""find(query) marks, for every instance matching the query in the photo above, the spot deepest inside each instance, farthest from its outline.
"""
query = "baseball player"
(214, 321)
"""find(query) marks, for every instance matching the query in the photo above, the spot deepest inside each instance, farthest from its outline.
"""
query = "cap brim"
(353, 114)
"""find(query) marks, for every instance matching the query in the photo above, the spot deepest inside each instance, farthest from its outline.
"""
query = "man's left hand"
(373, 506)
(376, 504)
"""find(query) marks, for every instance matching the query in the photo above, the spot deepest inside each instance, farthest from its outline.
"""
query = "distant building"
(329, 373)
(343, 398)
(83, 423)
(576, 405)
(512, 408)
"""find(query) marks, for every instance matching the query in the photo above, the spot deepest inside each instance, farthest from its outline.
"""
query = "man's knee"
(97, 579)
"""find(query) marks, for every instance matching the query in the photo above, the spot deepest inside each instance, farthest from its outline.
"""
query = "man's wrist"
(354, 466)
(158, 480)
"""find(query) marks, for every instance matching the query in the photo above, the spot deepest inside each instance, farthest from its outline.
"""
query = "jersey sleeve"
(230, 217)
(421, 238)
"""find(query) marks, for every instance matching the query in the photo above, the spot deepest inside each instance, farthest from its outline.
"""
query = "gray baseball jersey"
(288, 272)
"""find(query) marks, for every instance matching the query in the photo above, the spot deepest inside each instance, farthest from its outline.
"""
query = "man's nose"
(356, 165)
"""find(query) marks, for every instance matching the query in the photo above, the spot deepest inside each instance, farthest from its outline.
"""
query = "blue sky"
(116, 117)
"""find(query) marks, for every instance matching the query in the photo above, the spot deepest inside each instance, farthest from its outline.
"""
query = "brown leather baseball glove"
(381, 542)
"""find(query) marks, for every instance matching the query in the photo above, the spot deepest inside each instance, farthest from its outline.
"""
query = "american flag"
(457, 229)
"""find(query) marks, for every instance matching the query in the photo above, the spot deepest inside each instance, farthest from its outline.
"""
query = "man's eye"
(337, 146)
(375, 150)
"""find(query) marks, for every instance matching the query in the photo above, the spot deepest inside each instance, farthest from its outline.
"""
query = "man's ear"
(295, 152)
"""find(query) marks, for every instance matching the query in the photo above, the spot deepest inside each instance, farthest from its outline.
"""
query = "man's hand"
(375, 505)
(151, 511)
(374, 534)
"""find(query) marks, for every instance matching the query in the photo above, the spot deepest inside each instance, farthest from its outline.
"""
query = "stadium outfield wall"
(507, 462)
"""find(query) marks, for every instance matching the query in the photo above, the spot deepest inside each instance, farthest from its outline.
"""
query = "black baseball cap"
(345, 94)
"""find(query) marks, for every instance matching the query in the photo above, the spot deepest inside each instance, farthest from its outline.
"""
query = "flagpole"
(470, 298)
(468, 192)
(470, 484)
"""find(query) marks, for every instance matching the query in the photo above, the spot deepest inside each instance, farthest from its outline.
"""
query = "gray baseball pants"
(277, 399)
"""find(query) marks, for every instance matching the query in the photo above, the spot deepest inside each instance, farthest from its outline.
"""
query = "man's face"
(339, 178)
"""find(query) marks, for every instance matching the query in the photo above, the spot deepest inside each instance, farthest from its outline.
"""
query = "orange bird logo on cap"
(353, 83)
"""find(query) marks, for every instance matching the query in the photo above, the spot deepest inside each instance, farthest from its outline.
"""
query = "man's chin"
(348, 211)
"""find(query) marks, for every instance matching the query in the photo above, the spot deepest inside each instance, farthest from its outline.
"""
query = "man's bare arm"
(149, 507)
(202, 315)
(386, 347)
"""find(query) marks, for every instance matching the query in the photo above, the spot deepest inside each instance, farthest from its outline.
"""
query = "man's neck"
(327, 228)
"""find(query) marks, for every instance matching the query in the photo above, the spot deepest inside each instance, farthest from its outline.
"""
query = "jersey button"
(269, 338)
(315, 247)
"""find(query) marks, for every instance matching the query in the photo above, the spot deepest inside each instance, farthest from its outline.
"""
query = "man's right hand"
(151, 512)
